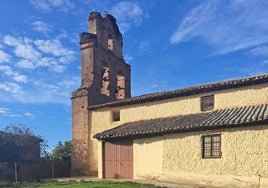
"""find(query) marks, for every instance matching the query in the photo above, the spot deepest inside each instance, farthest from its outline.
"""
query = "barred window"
(116, 116)
(211, 146)
(207, 103)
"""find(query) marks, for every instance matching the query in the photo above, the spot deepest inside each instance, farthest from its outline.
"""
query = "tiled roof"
(217, 86)
(249, 115)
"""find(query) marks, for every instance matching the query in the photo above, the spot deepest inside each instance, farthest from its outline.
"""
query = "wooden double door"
(118, 159)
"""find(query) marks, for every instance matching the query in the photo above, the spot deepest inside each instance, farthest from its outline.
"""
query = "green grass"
(81, 184)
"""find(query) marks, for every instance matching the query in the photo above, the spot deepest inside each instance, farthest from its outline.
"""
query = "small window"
(211, 146)
(207, 103)
(116, 116)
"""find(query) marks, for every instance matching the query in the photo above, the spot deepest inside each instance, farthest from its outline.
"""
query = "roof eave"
(168, 132)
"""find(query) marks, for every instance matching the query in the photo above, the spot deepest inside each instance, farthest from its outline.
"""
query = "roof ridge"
(187, 91)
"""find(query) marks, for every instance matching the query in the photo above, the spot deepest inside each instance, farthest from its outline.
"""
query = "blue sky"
(169, 44)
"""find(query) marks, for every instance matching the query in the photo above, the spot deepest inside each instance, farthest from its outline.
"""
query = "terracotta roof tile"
(217, 86)
(249, 115)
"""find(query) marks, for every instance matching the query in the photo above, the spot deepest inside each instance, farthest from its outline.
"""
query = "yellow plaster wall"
(181, 106)
(147, 157)
(100, 122)
(242, 97)
(100, 162)
(244, 158)
(101, 118)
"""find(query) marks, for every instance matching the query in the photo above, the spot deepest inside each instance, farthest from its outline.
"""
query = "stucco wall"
(242, 97)
(178, 158)
(101, 118)
(244, 158)
(185, 105)
(147, 156)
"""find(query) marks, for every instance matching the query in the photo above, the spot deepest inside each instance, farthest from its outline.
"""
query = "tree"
(19, 129)
(62, 151)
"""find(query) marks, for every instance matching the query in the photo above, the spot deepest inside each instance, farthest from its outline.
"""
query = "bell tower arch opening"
(120, 86)
(105, 80)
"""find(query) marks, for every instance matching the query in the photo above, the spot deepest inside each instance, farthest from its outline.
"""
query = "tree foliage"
(62, 151)
(19, 129)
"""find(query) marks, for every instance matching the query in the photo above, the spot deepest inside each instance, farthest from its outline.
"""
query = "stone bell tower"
(105, 78)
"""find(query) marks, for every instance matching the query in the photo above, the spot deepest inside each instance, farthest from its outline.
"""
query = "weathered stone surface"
(79, 93)
(86, 37)
(100, 48)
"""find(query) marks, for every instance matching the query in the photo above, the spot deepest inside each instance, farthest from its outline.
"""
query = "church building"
(210, 135)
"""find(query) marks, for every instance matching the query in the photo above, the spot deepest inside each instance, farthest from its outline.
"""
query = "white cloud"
(29, 79)
(53, 47)
(260, 51)
(47, 62)
(43, 93)
(51, 63)
(40, 91)
(27, 52)
(32, 54)
(10, 87)
(11, 41)
(226, 25)
(14, 75)
(49, 5)
(54, 93)
(4, 111)
(41, 5)
(15, 113)
(57, 68)
(20, 78)
(41, 27)
(4, 57)
(23, 47)
(74, 82)
(29, 115)
(190, 25)
(26, 64)
(127, 13)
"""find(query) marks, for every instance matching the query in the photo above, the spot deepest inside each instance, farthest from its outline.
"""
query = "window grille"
(211, 146)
